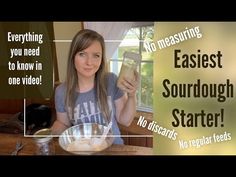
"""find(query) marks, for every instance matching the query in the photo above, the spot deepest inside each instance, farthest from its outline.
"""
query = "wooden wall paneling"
(125, 138)
(136, 130)
(138, 141)
(149, 142)
(8, 106)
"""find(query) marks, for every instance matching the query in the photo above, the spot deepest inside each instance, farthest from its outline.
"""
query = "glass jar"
(44, 142)
(130, 64)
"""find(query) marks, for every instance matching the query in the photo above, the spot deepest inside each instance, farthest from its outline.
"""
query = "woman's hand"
(126, 106)
(129, 85)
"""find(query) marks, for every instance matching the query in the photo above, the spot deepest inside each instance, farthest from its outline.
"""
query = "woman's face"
(88, 61)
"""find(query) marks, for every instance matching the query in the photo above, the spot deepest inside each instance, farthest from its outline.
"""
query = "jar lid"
(133, 56)
(43, 135)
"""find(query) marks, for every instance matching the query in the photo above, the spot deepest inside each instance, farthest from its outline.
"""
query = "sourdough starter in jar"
(129, 66)
(44, 142)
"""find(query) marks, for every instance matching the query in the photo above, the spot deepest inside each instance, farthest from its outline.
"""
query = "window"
(133, 42)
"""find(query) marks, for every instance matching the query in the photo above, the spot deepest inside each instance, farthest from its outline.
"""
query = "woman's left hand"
(130, 86)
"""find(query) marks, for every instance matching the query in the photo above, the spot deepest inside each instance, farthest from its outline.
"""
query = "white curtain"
(113, 33)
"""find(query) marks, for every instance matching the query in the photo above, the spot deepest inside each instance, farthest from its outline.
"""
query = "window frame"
(138, 106)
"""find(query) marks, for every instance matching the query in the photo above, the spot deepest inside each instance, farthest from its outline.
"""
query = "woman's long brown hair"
(82, 40)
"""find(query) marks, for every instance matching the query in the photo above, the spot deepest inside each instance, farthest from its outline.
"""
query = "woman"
(90, 93)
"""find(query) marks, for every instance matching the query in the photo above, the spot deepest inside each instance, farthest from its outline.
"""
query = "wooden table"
(8, 142)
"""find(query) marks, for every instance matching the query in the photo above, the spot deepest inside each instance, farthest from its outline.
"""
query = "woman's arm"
(126, 105)
(125, 109)
(61, 123)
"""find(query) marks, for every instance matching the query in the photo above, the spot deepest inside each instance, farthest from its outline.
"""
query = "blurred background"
(215, 37)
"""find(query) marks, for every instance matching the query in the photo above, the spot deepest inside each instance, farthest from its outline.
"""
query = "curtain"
(113, 33)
